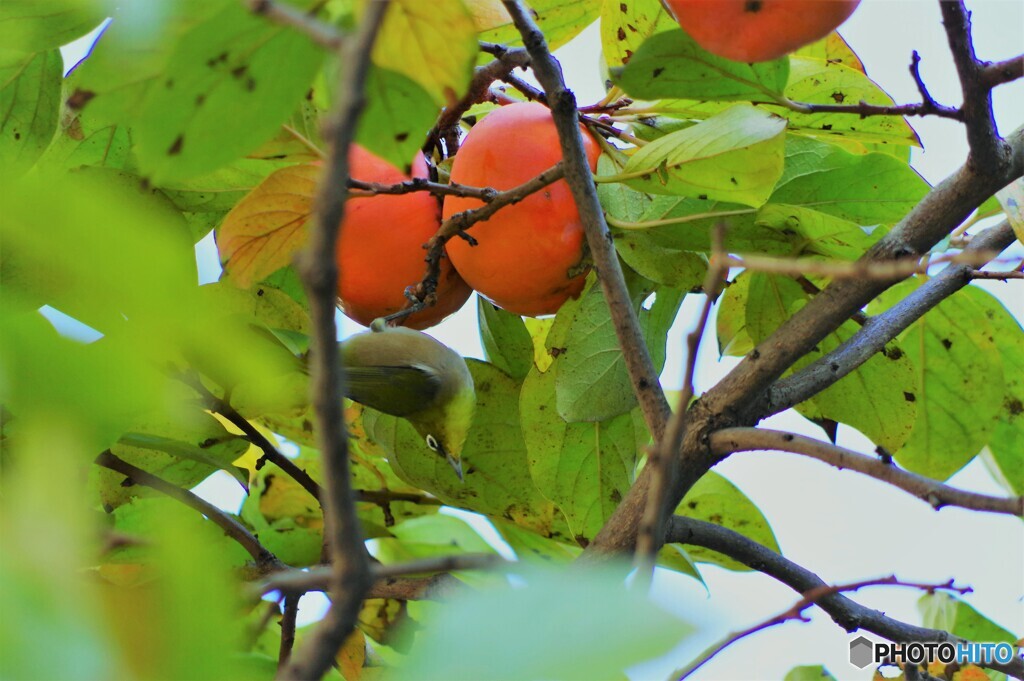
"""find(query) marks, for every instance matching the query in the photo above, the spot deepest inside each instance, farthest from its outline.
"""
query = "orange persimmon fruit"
(528, 255)
(759, 30)
(380, 247)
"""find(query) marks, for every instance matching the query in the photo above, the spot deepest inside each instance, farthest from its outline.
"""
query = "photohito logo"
(863, 652)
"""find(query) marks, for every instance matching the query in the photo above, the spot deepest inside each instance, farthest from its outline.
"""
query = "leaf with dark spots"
(946, 343)
(838, 97)
(621, 33)
(910, 397)
(175, 147)
(657, 72)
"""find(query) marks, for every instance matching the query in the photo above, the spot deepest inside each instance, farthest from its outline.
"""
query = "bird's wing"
(395, 390)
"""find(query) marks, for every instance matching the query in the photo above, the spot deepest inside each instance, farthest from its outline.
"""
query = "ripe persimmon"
(759, 30)
(380, 247)
(528, 255)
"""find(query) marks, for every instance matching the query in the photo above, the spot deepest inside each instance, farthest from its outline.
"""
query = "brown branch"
(270, 453)
(423, 294)
(993, 75)
(643, 377)
(288, 617)
(988, 149)
(446, 127)
(350, 577)
(265, 560)
(662, 455)
(848, 614)
(878, 331)
(420, 184)
(321, 33)
(796, 612)
(734, 400)
(935, 493)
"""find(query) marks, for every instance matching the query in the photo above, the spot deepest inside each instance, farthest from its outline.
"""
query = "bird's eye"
(433, 443)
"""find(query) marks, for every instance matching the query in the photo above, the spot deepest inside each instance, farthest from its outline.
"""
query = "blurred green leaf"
(716, 500)
(507, 343)
(736, 156)
(433, 44)
(731, 319)
(84, 139)
(229, 84)
(960, 387)
(672, 64)
(30, 102)
(34, 26)
(818, 232)
(949, 613)
(285, 517)
(594, 628)
(809, 673)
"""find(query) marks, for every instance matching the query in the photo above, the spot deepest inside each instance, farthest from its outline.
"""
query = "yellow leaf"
(352, 656)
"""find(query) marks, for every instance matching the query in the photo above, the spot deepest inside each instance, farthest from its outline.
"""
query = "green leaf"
(818, 232)
(585, 468)
(559, 20)
(809, 673)
(397, 117)
(823, 81)
(29, 106)
(960, 386)
(83, 139)
(497, 479)
(716, 500)
(868, 189)
(949, 613)
(592, 381)
(433, 44)
(219, 191)
(531, 547)
(731, 319)
(735, 156)
(34, 26)
(230, 82)
(878, 399)
(507, 343)
(626, 24)
(594, 628)
(1004, 442)
(671, 64)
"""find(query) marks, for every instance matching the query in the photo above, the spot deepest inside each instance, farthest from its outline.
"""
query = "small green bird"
(408, 374)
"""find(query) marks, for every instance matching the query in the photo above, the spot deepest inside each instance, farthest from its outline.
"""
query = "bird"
(408, 374)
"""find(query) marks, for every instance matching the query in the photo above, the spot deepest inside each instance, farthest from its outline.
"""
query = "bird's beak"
(453, 462)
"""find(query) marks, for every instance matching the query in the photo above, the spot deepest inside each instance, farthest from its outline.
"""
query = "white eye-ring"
(433, 443)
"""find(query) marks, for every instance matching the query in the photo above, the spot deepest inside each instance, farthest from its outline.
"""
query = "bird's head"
(445, 427)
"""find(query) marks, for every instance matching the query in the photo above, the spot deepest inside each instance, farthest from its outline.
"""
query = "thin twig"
(288, 617)
(796, 612)
(321, 33)
(423, 294)
(933, 492)
(351, 577)
(265, 560)
(998, 276)
(420, 184)
(858, 269)
(662, 455)
(643, 377)
(848, 614)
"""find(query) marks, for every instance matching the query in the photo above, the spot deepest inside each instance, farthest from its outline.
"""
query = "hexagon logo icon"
(861, 652)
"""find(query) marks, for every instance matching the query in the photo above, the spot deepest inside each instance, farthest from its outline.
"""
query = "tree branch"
(881, 329)
(935, 493)
(265, 560)
(988, 150)
(288, 617)
(848, 614)
(351, 578)
(420, 184)
(321, 33)
(643, 377)
(796, 612)
(993, 75)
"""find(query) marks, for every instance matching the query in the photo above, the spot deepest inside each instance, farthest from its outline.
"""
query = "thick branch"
(1001, 72)
(288, 617)
(643, 377)
(342, 532)
(935, 493)
(733, 400)
(881, 329)
(265, 560)
(848, 614)
(988, 150)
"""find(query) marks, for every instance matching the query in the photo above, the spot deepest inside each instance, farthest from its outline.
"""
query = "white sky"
(838, 524)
